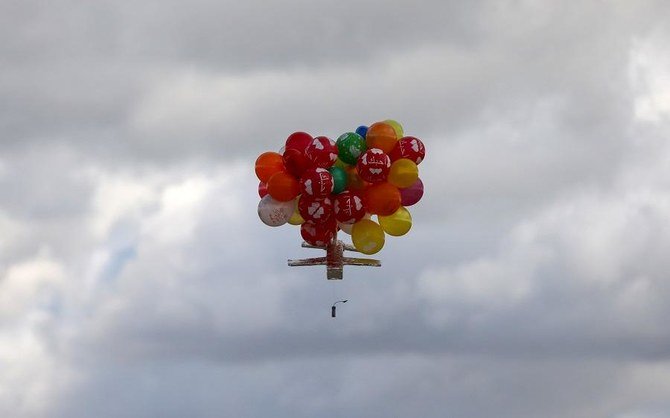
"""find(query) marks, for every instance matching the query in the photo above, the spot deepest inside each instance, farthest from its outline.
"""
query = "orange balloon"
(354, 181)
(382, 199)
(267, 164)
(381, 135)
(283, 187)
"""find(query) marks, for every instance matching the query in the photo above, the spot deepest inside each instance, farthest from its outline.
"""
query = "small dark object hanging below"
(333, 308)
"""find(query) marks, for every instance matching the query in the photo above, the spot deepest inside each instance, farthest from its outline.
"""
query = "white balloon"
(273, 212)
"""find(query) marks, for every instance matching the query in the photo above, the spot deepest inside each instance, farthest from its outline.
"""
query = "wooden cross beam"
(334, 259)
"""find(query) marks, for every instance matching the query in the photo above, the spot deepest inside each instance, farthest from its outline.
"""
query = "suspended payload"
(325, 186)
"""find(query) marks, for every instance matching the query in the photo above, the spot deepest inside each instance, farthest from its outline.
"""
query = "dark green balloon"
(350, 146)
(339, 179)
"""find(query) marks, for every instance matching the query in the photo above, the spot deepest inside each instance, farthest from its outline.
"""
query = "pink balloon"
(411, 194)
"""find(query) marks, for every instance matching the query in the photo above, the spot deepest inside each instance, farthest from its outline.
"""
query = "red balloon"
(295, 161)
(348, 207)
(316, 182)
(322, 152)
(373, 166)
(412, 194)
(318, 233)
(262, 189)
(298, 141)
(409, 147)
(315, 209)
(283, 187)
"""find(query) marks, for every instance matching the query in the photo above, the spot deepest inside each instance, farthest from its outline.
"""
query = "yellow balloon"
(397, 127)
(404, 173)
(397, 224)
(367, 236)
(296, 219)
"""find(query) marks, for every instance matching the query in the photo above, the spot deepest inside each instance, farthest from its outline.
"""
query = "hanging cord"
(334, 308)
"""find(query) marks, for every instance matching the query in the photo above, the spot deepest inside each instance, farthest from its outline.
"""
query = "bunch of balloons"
(325, 186)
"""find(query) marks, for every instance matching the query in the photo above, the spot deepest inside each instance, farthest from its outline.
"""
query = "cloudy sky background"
(137, 281)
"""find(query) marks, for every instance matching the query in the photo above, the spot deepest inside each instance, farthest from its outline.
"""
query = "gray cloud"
(136, 279)
(161, 81)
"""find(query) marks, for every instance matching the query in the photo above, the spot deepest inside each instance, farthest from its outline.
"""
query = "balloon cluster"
(326, 186)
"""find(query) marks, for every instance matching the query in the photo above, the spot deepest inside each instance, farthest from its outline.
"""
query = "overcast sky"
(136, 279)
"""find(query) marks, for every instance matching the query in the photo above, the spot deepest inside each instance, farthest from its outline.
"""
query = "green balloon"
(339, 179)
(350, 146)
